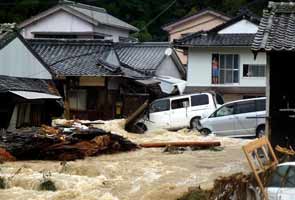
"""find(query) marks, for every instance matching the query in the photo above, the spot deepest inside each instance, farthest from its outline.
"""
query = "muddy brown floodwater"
(145, 174)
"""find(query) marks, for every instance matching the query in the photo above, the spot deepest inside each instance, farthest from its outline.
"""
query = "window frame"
(167, 100)
(183, 98)
(223, 67)
(254, 76)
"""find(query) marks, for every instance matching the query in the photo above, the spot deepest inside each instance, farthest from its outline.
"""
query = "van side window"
(245, 107)
(225, 110)
(198, 100)
(159, 106)
(260, 105)
(179, 103)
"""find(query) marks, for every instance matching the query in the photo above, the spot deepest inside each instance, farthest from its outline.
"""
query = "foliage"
(136, 12)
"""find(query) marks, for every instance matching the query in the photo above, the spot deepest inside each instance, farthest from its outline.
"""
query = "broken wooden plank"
(203, 144)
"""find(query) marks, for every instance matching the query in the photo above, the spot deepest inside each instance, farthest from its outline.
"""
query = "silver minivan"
(240, 118)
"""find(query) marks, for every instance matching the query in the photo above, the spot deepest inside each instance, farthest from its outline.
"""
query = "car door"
(179, 112)
(276, 182)
(159, 114)
(245, 119)
(287, 191)
(221, 121)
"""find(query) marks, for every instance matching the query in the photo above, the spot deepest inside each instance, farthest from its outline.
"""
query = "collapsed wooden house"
(276, 37)
(103, 80)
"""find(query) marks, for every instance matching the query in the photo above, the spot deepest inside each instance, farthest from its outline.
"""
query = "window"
(225, 110)
(77, 99)
(199, 100)
(277, 176)
(260, 105)
(159, 106)
(254, 70)
(245, 107)
(290, 178)
(179, 103)
(225, 68)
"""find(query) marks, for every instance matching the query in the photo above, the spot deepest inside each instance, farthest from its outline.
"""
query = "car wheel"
(195, 123)
(205, 131)
(141, 127)
(260, 132)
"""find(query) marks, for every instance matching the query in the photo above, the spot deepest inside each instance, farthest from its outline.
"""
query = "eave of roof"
(73, 8)
(276, 30)
(191, 17)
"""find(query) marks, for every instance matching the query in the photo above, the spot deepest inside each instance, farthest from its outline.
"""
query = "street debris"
(5, 156)
(69, 140)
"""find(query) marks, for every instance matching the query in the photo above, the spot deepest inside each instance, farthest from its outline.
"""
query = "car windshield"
(283, 176)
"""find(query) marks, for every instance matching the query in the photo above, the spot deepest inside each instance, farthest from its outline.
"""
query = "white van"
(179, 111)
(240, 118)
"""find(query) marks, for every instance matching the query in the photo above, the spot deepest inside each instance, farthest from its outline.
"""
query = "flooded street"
(143, 174)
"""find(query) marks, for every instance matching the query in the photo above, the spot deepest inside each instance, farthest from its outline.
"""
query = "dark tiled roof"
(277, 28)
(143, 57)
(8, 83)
(6, 37)
(212, 38)
(75, 57)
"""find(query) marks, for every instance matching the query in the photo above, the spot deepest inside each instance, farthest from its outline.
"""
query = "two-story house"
(203, 20)
(73, 20)
(221, 60)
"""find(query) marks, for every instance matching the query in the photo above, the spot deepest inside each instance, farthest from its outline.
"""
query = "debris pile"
(69, 140)
(237, 186)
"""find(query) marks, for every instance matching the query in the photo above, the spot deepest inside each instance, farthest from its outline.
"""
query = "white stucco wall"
(16, 60)
(62, 21)
(243, 26)
(168, 68)
(199, 66)
(114, 32)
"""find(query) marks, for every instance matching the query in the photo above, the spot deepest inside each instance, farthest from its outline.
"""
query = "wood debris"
(63, 143)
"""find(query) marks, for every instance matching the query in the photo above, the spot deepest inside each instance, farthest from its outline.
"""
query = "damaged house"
(275, 37)
(103, 80)
(28, 94)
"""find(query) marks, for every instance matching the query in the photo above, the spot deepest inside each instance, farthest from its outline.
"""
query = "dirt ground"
(145, 174)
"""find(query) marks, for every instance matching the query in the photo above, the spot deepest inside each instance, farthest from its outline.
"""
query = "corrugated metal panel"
(34, 95)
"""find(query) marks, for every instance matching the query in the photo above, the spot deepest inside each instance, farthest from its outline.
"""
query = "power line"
(159, 15)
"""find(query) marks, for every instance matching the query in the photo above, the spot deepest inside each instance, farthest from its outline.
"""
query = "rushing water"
(142, 175)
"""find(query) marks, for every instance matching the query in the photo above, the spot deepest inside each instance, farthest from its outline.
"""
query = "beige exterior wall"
(204, 22)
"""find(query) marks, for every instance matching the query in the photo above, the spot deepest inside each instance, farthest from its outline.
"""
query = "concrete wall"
(16, 60)
(168, 68)
(199, 66)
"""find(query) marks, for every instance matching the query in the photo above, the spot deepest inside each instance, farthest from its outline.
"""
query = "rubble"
(73, 141)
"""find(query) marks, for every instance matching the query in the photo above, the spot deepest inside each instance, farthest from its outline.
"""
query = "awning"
(35, 95)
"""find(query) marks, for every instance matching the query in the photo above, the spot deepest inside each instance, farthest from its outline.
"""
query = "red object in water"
(6, 156)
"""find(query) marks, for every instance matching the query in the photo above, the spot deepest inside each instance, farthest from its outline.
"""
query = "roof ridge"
(84, 6)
